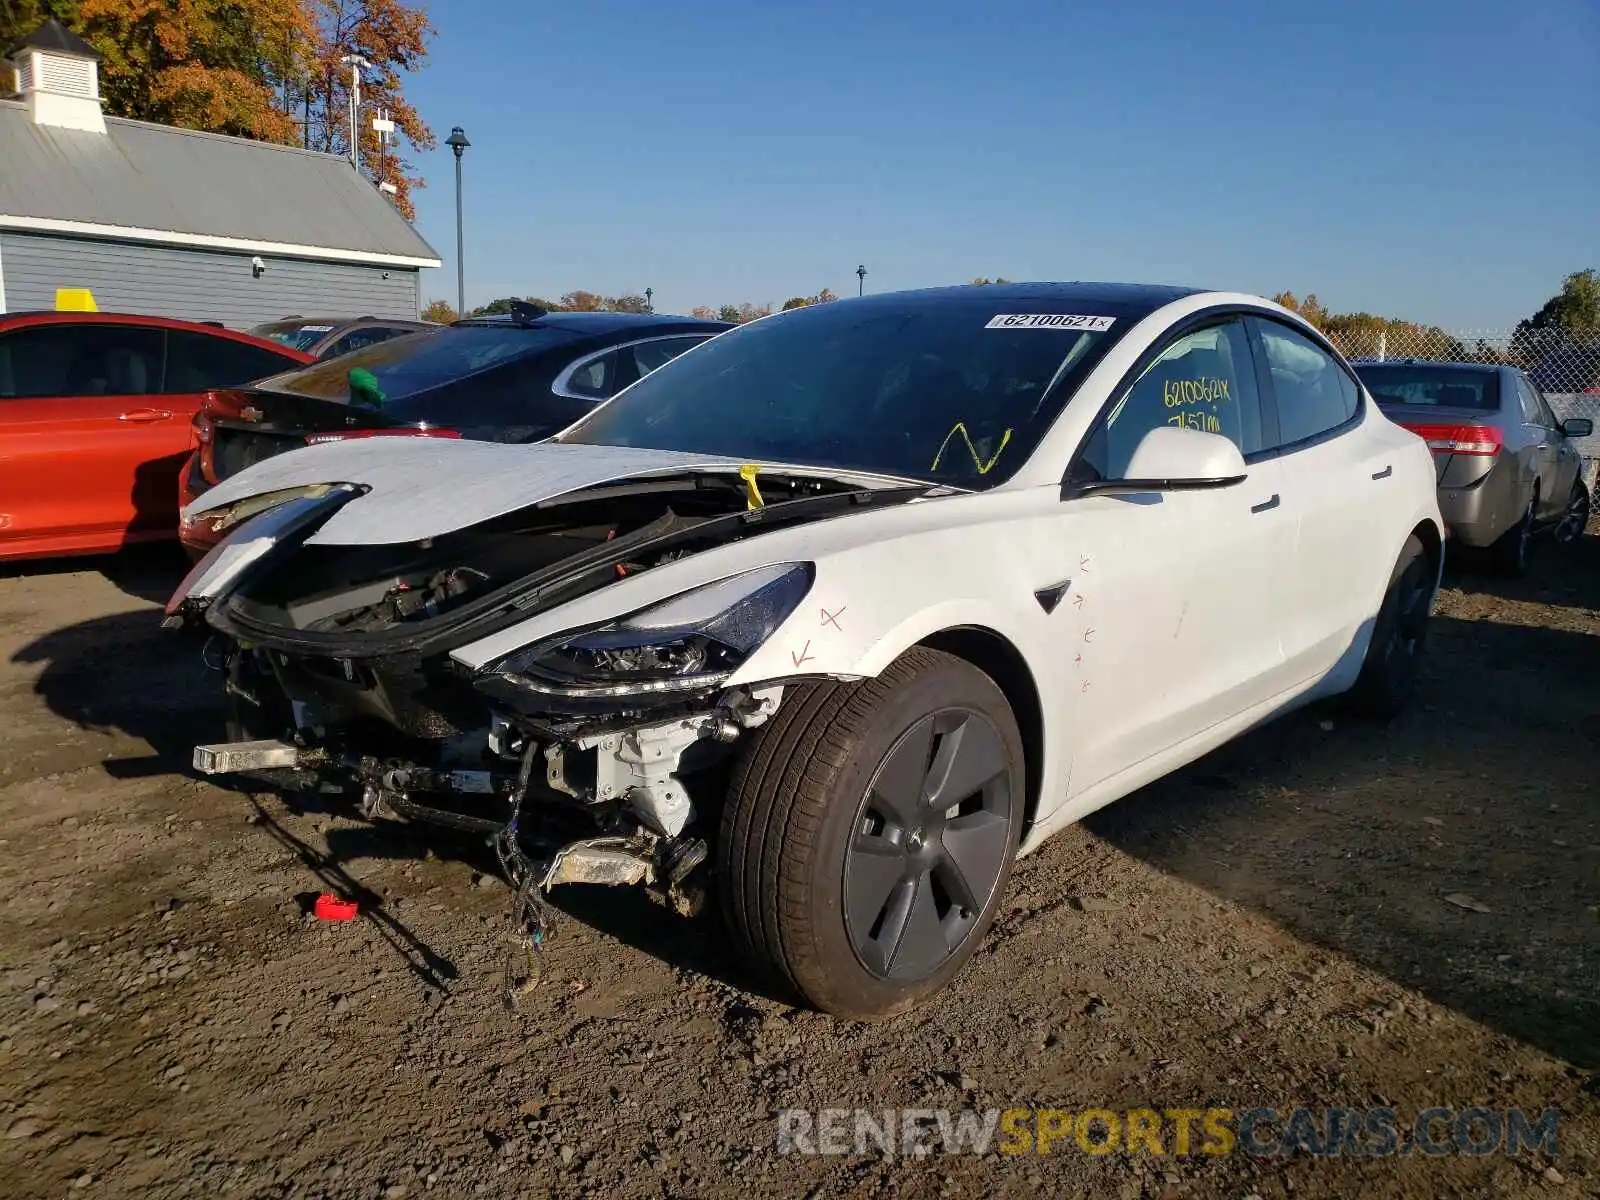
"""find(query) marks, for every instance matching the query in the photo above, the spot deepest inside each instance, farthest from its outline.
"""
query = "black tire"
(1569, 528)
(1388, 676)
(793, 853)
(1509, 552)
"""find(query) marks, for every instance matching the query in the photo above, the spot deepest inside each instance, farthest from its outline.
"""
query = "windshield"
(902, 386)
(1425, 386)
(415, 362)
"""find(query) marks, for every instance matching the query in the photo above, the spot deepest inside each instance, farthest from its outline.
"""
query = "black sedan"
(520, 377)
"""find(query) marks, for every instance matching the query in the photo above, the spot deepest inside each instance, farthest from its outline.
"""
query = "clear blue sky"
(1438, 161)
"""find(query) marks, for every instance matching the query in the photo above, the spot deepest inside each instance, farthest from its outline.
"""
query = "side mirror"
(1577, 427)
(1173, 459)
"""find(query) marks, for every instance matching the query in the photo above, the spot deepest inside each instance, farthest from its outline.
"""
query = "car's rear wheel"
(869, 832)
(1509, 552)
(1388, 676)
(1576, 517)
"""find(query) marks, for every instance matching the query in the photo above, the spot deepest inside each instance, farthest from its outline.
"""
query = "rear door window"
(647, 356)
(1534, 409)
(1314, 393)
(62, 359)
(198, 361)
(595, 379)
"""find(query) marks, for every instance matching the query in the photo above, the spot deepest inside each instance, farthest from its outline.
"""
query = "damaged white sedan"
(838, 612)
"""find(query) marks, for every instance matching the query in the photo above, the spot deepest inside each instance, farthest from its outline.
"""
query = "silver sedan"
(1506, 466)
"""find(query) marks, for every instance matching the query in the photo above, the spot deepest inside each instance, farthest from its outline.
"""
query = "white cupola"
(58, 77)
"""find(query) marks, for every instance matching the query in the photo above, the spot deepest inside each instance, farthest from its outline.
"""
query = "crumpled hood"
(427, 487)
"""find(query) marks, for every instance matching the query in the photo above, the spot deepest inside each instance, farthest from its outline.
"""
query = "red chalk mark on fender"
(1077, 659)
(804, 656)
(832, 618)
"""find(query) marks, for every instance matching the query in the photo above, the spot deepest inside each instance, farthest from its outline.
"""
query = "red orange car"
(95, 413)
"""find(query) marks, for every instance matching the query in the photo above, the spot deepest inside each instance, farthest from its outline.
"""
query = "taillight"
(313, 439)
(1482, 440)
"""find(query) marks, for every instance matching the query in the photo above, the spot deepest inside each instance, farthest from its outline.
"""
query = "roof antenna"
(525, 313)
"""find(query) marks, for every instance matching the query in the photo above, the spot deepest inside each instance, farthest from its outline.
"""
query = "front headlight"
(690, 642)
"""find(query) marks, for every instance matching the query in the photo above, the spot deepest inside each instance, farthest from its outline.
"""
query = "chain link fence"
(1566, 370)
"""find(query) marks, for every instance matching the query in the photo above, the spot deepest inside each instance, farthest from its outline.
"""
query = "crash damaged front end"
(596, 754)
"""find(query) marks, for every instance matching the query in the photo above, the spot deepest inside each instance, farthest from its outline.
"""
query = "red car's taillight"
(313, 439)
(1482, 440)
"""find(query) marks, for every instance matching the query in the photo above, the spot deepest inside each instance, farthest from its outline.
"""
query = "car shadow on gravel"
(149, 572)
(123, 673)
(1455, 851)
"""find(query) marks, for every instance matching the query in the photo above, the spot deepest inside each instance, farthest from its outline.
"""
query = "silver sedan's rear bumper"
(1476, 515)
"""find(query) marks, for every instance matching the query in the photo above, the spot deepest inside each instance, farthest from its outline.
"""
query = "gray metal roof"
(148, 177)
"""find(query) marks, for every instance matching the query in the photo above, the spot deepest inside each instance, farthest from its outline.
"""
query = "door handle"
(1385, 473)
(146, 414)
(1265, 504)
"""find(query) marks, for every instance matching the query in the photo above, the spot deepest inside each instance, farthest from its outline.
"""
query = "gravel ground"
(1321, 914)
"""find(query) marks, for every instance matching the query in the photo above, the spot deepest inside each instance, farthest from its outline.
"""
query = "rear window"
(1423, 386)
(417, 362)
(301, 337)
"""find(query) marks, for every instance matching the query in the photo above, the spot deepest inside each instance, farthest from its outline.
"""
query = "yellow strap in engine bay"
(752, 493)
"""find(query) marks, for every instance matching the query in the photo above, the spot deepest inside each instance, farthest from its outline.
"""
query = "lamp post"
(457, 141)
(649, 300)
(861, 281)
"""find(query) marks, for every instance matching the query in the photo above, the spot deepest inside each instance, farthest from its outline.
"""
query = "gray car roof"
(156, 177)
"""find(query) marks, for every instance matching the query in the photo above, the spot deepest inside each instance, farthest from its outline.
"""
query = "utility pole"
(649, 302)
(861, 281)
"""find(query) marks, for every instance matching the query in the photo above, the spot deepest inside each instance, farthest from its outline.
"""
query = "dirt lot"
(1269, 928)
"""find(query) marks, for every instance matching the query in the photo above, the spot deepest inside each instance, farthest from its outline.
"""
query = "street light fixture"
(649, 300)
(457, 141)
(861, 281)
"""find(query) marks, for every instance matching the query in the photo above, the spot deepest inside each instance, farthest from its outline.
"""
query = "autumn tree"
(822, 297)
(982, 280)
(626, 304)
(581, 301)
(1310, 308)
(393, 37)
(215, 65)
(439, 312)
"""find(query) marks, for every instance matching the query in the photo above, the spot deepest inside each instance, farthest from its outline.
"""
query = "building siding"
(198, 284)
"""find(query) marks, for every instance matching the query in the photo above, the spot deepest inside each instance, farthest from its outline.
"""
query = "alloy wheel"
(1575, 519)
(929, 845)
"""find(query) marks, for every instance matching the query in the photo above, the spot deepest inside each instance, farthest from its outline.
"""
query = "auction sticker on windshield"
(1048, 321)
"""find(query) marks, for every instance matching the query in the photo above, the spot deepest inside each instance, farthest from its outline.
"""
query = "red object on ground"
(331, 908)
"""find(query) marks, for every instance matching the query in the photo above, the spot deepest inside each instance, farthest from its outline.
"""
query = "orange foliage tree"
(393, 37)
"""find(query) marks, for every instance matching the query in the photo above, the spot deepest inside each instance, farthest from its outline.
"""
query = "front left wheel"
(869, 833)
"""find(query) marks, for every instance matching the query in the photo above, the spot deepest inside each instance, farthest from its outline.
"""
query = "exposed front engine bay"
(596, 756)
